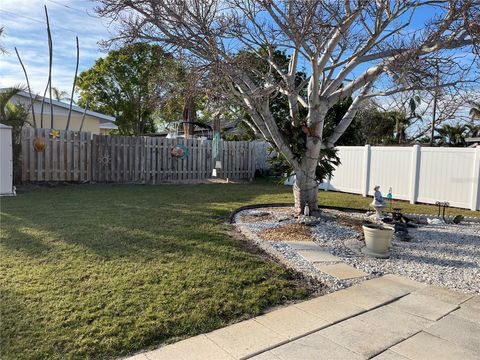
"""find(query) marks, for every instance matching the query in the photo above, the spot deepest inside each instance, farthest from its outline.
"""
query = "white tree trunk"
(305, 190)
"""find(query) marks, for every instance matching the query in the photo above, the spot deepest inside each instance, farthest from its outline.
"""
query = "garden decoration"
(378, 203)
(442, 205)
(390, 198)
(216, 146)
(378, 240)
(180, 151)
(55, 134)
(104, 159)
(39, 144)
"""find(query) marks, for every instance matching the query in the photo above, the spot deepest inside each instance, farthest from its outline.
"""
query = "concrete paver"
(389, 355)
(424, 346)
(291, 322)
(457, 330)
(196, 348)
(318, 255)
(360, 337)
(314, 347)
(363, 296)
(393, 285)
(398, 322)
(268, 355)
(245, 338)
(341, 271)
(303, 245)
(328, 309)
(425, 306)
(444, 294)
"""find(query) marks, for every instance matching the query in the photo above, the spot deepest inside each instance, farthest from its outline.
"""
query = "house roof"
(108, 126)
(61, 104)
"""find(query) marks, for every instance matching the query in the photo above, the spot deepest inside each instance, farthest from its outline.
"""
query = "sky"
(25, 28)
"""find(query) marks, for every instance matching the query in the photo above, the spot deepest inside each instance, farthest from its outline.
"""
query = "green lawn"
(97, 271)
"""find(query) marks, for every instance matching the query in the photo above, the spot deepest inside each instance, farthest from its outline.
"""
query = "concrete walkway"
(387, 318)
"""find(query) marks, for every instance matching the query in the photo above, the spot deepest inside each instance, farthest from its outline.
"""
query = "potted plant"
(378, 239)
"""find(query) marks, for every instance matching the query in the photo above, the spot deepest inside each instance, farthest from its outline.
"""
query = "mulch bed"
(256, 218)
(290, 232)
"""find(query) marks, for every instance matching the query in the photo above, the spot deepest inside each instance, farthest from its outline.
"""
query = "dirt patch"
(290, 232)
(256, 218)
(355, 224)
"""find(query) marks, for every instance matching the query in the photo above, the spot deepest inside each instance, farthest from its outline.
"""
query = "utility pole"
(434, 115)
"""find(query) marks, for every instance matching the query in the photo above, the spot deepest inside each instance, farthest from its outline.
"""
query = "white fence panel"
(389, 167)
(414, 173)
(347, 176)
(446, 174)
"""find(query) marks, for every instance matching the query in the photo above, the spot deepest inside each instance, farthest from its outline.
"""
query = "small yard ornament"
(39, 144)
(180, 151)
(55, 134)
(378, 203)
(390, 197)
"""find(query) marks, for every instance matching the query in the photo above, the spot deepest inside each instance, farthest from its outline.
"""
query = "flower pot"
(39, 144)
(378, 239)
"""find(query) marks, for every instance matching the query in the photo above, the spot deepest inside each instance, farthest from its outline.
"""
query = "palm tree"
(2, 48)
(60, 95)
(475, 110)
(451, 135)
(14, 115)
(473, 130)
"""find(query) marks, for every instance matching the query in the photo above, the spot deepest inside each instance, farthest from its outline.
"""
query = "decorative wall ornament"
(180, 151)
(39, 144)
(55, 134)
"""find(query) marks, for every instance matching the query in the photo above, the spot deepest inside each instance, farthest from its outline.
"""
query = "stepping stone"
(303, 245)
(457, 330)
(314, 347)
(425, 346)
(341, 271)
(360, 337)
(291, 322)
(317, 255)
(245, 338)
(195, 348)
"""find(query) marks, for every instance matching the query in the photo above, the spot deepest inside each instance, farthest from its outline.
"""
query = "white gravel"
(446, 254)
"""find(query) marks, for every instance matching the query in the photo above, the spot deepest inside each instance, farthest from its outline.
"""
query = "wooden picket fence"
(80, 157)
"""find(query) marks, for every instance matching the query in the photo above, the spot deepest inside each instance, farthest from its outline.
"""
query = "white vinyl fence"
(416, 174)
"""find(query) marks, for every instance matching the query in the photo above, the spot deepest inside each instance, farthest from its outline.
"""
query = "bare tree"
(358, 48)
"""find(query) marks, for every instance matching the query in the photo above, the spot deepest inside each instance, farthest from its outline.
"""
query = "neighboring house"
(95, 123)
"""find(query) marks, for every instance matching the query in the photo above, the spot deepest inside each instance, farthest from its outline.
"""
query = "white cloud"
(25, 28)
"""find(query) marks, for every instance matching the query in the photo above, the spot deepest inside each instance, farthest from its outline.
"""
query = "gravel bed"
(444, 254)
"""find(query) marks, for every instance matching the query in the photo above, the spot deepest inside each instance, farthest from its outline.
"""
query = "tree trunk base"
(305, 191)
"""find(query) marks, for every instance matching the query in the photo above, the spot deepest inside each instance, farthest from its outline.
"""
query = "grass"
(97, 271)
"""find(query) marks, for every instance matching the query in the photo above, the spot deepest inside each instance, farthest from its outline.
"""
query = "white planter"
(378, 239)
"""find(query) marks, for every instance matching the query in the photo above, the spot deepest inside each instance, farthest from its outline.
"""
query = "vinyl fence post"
(414, 173)
(367, 155)
(475, 199)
